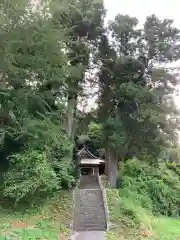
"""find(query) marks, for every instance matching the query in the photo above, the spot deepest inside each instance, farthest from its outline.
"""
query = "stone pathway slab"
(90, 235)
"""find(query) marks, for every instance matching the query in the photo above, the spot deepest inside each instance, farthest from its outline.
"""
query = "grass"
(46, 221)
(166, 228)
(133, 222)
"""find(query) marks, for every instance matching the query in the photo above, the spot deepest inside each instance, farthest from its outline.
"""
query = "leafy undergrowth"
(47, 221)
(150, 227)
(136, 215)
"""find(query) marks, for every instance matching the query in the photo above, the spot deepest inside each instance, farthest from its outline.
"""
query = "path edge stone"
(105, 203)
(74, 194)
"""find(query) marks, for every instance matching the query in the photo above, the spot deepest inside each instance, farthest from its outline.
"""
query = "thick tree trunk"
(113, 169)
(70, 116)
(106, 162)
(72, 106)
(109, 166)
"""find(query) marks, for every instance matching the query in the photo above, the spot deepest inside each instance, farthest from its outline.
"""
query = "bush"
(44, 164)
(154, 188)
(30, 173)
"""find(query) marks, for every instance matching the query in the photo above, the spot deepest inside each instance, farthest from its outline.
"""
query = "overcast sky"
(141, 9)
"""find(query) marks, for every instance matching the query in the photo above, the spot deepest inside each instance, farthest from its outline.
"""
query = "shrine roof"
(87, 158)
(90, 161)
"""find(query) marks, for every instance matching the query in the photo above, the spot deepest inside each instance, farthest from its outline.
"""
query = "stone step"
(88, 182)
(90, 216)
(89, 187)
(90, 211)
(89, 198)
(91, 224)
(91, 220)
(90, 228)
(89, 207)
(90, 193)
(96, 203)
(87, 192)
(92, 200)
(88, 177)
(92, 207)
(86, 199)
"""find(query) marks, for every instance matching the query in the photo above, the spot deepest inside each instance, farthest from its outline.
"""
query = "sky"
(141, 9)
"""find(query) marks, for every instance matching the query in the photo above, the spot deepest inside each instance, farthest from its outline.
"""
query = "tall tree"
(33, 70)
(137, 120)
(85, 26)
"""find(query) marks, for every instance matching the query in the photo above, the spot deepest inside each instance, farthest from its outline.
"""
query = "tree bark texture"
(113, 169)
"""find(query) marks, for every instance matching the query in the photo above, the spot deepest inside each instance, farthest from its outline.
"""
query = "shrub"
(44, 164)
(30, 173)
(155, 188)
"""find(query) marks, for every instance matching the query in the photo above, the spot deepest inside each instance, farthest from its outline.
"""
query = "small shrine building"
(89, 164)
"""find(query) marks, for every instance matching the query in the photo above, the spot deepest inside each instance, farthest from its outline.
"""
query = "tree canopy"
(49, 54)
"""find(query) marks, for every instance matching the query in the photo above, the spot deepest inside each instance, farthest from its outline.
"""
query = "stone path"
(89, 214)
(90, 235)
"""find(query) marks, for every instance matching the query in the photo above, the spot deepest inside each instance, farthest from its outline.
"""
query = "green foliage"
(46, 52)
(95, 133)
(93, 139)
(29, 173)
(155, 188)
(134, 92)
(33, 81)
(46, 164)
(82, 139)
(117, 139)
(147, 204)
(132, 221)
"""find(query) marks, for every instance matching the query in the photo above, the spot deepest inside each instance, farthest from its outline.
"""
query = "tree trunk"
(113, 169)
(70, 116)
(109, 166)
(106, 162)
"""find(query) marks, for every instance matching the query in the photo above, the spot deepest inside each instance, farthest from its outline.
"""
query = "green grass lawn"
(47, 221)
(149, 227)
